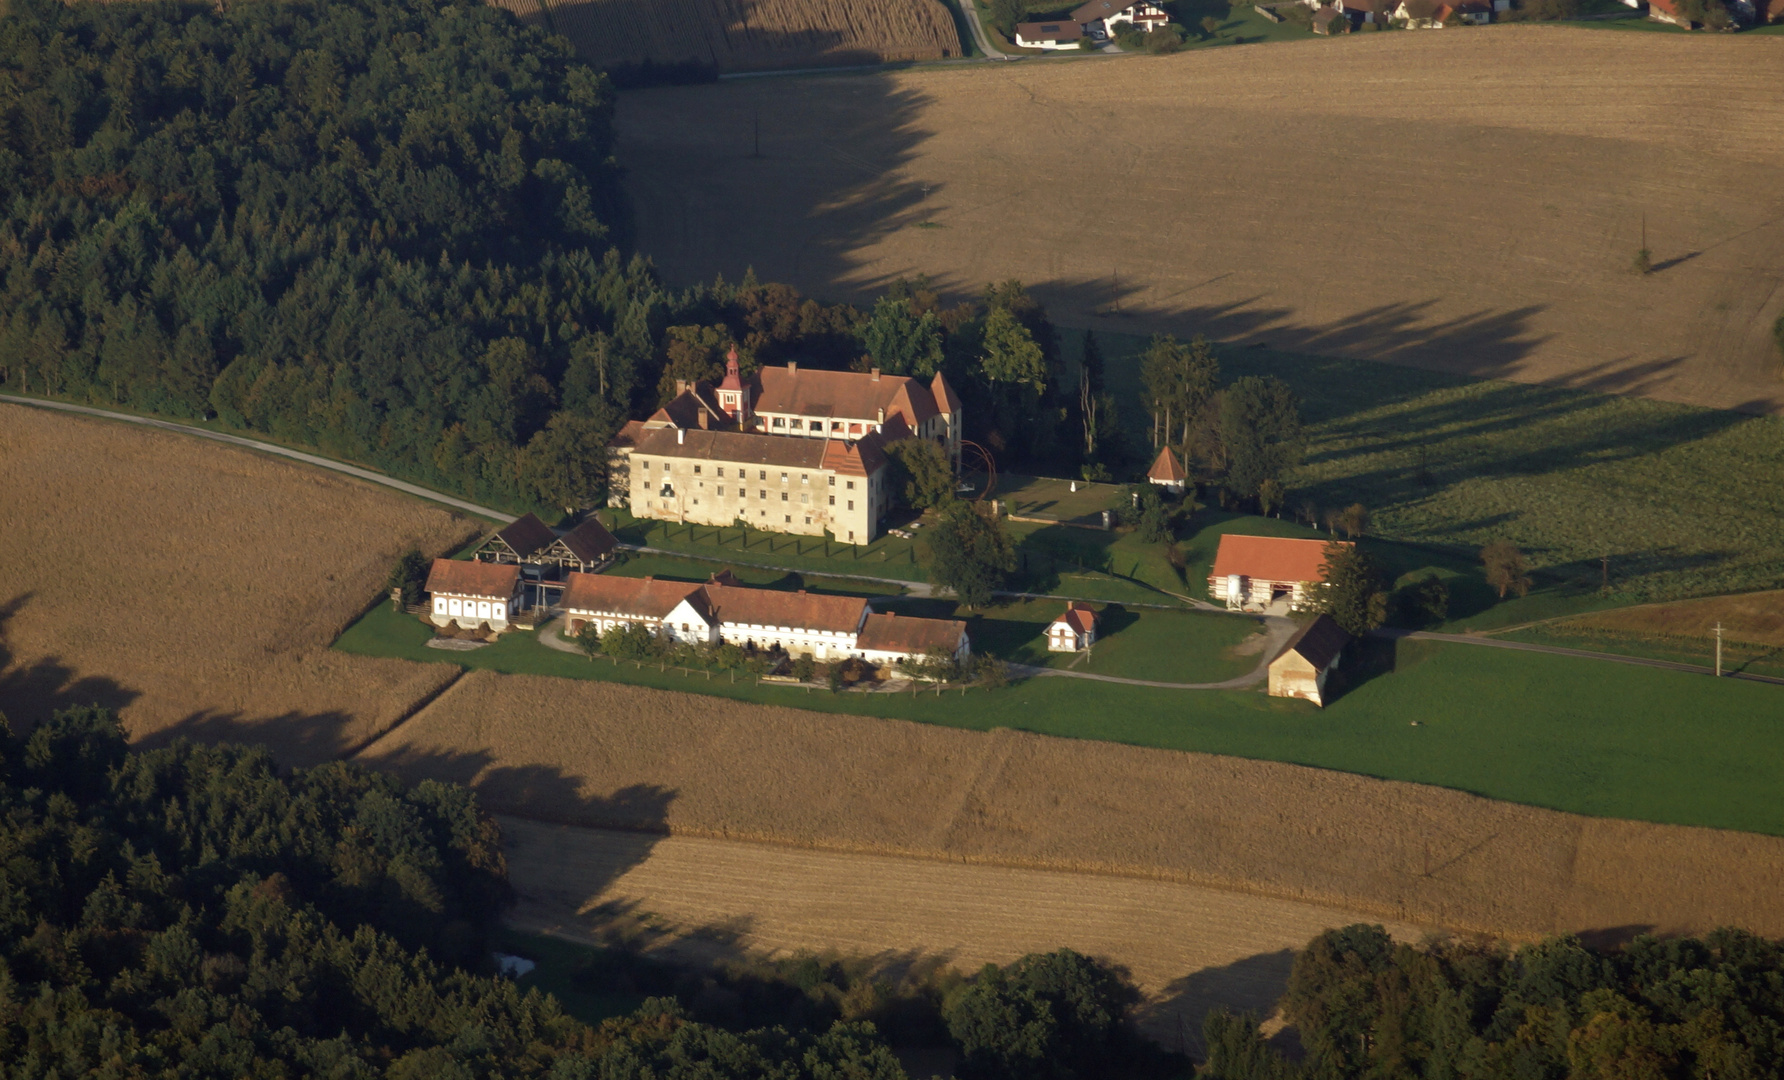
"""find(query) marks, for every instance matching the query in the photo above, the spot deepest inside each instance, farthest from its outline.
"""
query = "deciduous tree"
(1507, 569)
(970, 553)
(1352, 592)
(1260, 427)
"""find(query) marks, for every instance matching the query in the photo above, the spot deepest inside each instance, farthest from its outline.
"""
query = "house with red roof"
(1074, 630)
(1168, 473)
(1256, 573)
(473, 593)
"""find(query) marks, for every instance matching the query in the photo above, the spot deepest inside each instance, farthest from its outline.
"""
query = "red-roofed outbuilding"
(1167, 472)
(1074, 630)
(1253, 572)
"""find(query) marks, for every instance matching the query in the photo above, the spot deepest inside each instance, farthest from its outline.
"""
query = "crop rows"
(734, 35)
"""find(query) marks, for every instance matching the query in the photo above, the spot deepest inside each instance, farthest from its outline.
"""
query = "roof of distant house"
(1318, 642)
(527, 535)
(1077, 616)
(1167, 468)
(645, 597)
(794, 610)
(1105, 9)
(1063, 30)
(455, 577)
(1325, 15)
(1271, 558)
(911, 636)
(590, 540)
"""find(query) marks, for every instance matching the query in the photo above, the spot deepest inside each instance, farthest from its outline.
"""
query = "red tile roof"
(1167, 468)
(1080, 618)
(644, 598)
(908, 635)
(797, 610)
(1271, 558)
(846, 395)
(493, 581)
(949, 402)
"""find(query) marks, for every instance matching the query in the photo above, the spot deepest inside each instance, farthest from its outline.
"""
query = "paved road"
(268, 448)
(983, 39)
(1556, 650)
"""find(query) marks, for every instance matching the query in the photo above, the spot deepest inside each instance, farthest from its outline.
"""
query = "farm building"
(1061, 34)
(827, 627)
(1074, 630)
(1326, 20)
(518, 541)
(1098, 18)
(1256, 573)
(1168, 473)
(528, 541)
(472, 593)
(1301, 670)
(889, 638)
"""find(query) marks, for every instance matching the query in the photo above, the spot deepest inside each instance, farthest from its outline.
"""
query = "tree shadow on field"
(1254, 984)
(31, 693)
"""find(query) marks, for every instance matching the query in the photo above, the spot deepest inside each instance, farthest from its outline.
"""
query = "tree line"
(1365, 1006)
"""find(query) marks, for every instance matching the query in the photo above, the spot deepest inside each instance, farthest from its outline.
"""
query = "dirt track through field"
(1470, 201)
(1190, 949)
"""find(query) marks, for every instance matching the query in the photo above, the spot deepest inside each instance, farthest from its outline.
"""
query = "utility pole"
(1718, 649)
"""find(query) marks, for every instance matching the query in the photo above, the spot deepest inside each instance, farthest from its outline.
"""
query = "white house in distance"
(827, 627)
(472, 593)
(1300, 672)
(1254, 573)
(1168, 473)
(1058, 34)
(1074, 630)
(1098, 18)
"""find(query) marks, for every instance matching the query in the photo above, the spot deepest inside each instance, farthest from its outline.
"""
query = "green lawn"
(1758, 659)
(1054, 500)
(1449, 462)
(1579, 735)
(887, 557)
(680, 568)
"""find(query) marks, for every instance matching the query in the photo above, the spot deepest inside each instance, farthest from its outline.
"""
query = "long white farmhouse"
(472, 593)
(827, 627)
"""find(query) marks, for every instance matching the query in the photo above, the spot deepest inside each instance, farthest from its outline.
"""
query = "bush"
(409, 574)
(804, 667)
(1163, 41)
(630, 641)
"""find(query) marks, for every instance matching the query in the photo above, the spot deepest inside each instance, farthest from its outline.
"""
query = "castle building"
(786, 451)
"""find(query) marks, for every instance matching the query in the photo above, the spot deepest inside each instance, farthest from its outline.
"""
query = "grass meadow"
(1667, 492)
(1569, 734)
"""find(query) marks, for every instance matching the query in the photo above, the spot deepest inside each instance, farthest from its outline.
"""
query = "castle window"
(851, 485)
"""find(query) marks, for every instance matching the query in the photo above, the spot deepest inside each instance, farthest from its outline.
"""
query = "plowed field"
(612, 755)
(1469, 201)
(747, 35)
(1190, 949)
(196, 588)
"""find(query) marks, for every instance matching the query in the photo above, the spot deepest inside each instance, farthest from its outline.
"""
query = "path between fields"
(1581, 654)
(267, 448)
(1190, 948)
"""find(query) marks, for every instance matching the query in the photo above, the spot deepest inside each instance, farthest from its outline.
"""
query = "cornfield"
(745, 35)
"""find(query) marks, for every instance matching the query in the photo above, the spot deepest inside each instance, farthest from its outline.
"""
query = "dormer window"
(797, 424)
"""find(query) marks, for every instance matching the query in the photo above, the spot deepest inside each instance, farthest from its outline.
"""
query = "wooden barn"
(1257, 573)
(1301, 670)
(528, 541)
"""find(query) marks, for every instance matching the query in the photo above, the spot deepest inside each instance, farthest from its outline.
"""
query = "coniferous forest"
(392, 230)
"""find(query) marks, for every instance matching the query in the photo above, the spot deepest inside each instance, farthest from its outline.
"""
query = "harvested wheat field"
(1189, 948)
(746, 35)
(196, 587)
(1757, 618)
(610, 755)
(1471, 202)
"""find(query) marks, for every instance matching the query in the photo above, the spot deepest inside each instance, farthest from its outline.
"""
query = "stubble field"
(746, 35)
(196, 588)
(632, 758)
(1470, 202)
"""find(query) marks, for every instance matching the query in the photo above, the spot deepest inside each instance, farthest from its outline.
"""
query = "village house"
(1257, 573)
(1436, 14)
(1100, 18)
(1312, 654)
(1060, 34)
(473, 593)
(1168, 473)
(1327, 20)
(827, 627)
(1074, 630)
